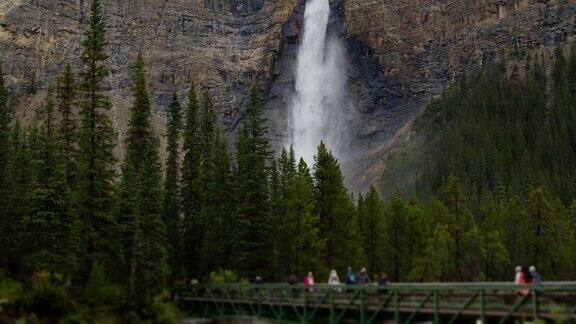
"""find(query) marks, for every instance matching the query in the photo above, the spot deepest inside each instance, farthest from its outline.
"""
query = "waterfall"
(319, 104)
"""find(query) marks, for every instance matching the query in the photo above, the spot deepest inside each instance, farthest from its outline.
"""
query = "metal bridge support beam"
(396, 306)
(333, 318)
(535, 304)
(362, 306)
(436, 307)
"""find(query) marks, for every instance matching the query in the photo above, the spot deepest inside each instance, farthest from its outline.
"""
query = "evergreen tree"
(172, 216)
(6, 220)
(338, 225)
(96, 174)
(298, 246)
(219, 206)
(252, 212)
(459, 222)
(68, 125)
(397, 229)
(140, 208)
(371, 220)
(51, 228)
(191, 185)
(305, 224)
(436, 262)
(206, 143)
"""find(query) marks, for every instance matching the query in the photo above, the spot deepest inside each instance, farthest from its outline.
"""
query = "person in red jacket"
(309, 281)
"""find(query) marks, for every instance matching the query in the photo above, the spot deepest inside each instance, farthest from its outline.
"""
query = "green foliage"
(165, 310)
(501, 162)
(436, 262)
(334, 206)
(140, 207)
(67, 99)
(46, 295)
(50, 226)
(298, 245)
(171, 189)
(225, 276)
(100, 292)
(6, 219)
(218, 250)
(190, 189)
(11, 293)
(97, 139)
(252, 218)
(372, 229)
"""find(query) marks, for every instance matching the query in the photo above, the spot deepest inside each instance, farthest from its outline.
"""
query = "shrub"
(46, 295)
(100, 292)
(10, 293)
(225, 276)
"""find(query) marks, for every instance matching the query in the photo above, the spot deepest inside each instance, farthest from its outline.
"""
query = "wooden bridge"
(397, 303)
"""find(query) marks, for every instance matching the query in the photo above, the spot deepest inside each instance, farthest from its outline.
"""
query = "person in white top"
(333, 279)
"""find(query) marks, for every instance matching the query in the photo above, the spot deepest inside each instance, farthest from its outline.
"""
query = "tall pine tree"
(252, 212)
(191, 186)
(172, 216)
(6, 220)
(96, 173)
(371, 220)
(338, 224)
(218, 207)
(68, 125)
(140, 208)
(50, 226)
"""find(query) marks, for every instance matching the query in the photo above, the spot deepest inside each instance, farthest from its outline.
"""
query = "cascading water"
(319, 104)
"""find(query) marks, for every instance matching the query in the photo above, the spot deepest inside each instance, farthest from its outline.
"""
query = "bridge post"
(535, 304)
(482, 306)
(333, 319)
(436, 307)
(396, 306)
(362, 306)
(305, 306)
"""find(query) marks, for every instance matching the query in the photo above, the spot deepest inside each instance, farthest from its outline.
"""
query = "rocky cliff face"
(401, 53)
(221, 45)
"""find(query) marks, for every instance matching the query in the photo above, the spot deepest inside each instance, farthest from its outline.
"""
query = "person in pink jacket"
(309, 281)
(521, 280)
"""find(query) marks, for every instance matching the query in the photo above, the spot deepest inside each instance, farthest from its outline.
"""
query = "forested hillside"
(503, 143)
(511, 127)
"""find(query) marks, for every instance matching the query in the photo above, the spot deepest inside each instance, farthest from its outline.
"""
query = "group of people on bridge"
(350, 278)
(524, 276)
(527, 276)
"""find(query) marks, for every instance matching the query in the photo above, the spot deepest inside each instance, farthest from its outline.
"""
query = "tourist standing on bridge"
(350, 278)
(334, 279)
(363, 278)
(535, 275)
(309, 281)
(383, 279)
(519, 280)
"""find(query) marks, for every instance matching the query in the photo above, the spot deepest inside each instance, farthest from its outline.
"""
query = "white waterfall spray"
(319, 105)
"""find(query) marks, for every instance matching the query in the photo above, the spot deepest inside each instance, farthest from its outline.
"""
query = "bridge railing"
(404, 302)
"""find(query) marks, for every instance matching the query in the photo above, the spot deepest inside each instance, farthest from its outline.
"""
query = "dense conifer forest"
(83, 241)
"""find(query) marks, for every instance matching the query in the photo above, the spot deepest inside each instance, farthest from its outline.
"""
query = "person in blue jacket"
(536, 278)
(350, 278)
